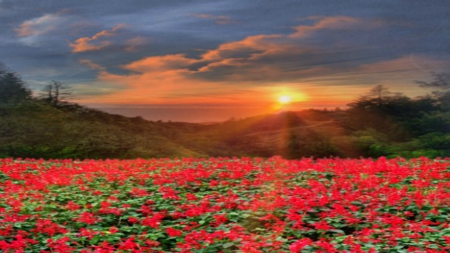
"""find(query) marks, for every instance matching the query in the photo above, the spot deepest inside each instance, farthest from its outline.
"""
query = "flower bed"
(225, 205)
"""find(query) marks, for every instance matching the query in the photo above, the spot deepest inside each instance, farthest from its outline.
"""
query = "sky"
(203, 60)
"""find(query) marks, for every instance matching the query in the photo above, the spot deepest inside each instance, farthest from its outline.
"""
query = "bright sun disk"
(284, 99)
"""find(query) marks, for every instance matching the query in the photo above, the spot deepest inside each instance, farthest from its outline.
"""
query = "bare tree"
(57, 92)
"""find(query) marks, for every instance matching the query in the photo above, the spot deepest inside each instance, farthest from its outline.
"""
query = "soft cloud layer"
(33, 30)
(38, 26)
(92, 65)
(221, 20)
(135, 43)
(332, 23)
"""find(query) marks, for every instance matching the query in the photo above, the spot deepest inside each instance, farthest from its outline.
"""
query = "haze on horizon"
(205, 60)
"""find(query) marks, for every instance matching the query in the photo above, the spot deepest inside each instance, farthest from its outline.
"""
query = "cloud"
(250, 62)
(92, 65)
(33, 31)
(221, 20)
(162, 80)
(282, 57)
(39, 26)
(51, 28)
(160, 63)
(95, 42)
(404, 70)
(312, 58)
(332, 23)
(134, 43)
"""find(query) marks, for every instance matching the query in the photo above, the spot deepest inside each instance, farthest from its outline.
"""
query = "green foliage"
(371, 143)
(411, 127)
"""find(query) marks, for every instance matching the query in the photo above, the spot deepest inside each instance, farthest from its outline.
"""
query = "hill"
(389, 125)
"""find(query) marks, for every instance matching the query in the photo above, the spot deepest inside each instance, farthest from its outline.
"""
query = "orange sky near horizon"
(221, 59)
(160, 81)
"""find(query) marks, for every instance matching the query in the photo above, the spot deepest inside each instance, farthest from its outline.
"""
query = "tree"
(441, 84)
(440, 81)
(12, 88)
(378, 99)
(379, 94)
(56, 92)
(380, 109)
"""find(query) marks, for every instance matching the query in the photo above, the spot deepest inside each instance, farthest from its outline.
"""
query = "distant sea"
(194, 114)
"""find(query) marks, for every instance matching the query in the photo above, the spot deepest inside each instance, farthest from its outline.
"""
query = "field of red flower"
(225, 205)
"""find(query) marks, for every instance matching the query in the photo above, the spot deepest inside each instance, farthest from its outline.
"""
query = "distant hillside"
(290, 134)
(33, 128)
(373, 126)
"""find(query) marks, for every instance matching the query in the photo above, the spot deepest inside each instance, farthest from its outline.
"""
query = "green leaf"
(227, 245)
(94, 240)
(337, 231)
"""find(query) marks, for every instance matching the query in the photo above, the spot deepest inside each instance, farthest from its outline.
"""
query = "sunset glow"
(164, 54)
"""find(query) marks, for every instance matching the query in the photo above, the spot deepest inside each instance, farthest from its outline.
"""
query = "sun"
(284, 99)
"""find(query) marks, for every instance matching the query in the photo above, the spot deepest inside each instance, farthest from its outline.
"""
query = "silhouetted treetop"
(441, 85)
(12, 88)
(56, 92)
(440, 81)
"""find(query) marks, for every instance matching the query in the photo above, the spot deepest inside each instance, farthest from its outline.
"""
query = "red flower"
(300, 244)
(173, 232)
(129, 244)
(133, 220)
(72, 206)
(322, 225)
(87, 217)
(113, 230)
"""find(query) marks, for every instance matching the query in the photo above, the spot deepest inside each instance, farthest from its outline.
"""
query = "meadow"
(225, 205)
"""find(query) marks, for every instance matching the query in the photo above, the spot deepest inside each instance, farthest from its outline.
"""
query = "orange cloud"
(251, 43)
(160, 63)
(338, 22)
(160, 80)
(91, 43)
